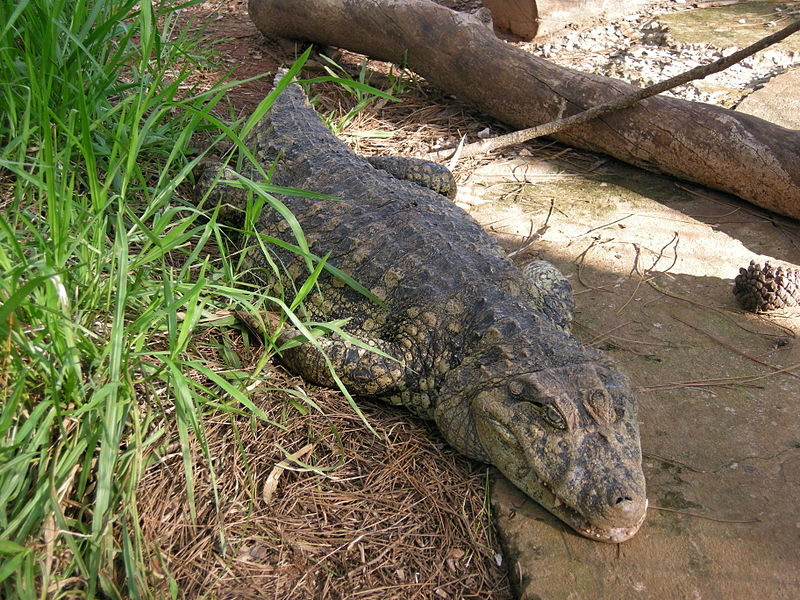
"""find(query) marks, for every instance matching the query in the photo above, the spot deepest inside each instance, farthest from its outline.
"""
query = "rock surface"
(652, 262)
(778, 101)
(531, 18)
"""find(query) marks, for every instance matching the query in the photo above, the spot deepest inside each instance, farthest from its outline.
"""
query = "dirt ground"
(402, 516)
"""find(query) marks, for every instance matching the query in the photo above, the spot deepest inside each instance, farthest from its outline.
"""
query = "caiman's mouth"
(610, 535)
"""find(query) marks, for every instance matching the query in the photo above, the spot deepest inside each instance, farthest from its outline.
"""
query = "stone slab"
(739, 24)
(778, 101)
(652, 262)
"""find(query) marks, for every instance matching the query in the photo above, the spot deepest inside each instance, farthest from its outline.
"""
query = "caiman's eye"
(516, 388)
(554, 417)
(600, 406)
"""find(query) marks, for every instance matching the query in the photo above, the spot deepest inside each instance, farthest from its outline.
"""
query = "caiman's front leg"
(550, 292)
(364, 373)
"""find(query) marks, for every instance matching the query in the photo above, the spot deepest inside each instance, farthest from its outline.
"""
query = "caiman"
(477, 345)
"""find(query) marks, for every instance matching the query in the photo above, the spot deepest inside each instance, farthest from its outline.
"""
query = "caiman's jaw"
(599, 533)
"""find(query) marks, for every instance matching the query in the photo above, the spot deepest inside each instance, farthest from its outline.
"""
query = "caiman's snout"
(615, 517)
(626, 508)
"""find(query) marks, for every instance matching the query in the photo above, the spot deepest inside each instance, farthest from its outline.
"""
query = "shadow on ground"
(652, 261)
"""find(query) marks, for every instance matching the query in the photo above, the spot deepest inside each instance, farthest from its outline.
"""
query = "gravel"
(639, 49)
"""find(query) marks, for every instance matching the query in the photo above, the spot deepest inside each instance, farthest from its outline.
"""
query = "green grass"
(362, 93)
(104, 278)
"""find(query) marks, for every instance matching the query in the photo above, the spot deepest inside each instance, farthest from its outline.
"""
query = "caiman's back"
(409, 245)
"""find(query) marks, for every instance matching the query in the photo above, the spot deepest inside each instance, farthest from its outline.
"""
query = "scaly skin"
(477, 351)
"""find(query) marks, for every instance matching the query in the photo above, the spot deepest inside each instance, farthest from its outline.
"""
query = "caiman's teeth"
(547, 496)
(579, 523)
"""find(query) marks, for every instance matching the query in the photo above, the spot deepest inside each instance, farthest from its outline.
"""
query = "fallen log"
(727, 150)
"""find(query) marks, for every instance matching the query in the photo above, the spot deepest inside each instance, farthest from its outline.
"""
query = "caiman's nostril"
(626, 509)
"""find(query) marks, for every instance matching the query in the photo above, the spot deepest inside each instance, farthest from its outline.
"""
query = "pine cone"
(767, 289)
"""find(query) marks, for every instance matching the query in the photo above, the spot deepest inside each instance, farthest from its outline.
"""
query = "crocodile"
(456, 332)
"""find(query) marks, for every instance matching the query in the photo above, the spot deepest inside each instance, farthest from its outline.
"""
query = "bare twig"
(786, 332)
(706, 517)
(731, 347)
(717, 381)
(625, 101)
(533, 236)
(674, 462)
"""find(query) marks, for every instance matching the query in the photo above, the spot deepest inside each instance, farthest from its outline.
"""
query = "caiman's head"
(568, 437)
